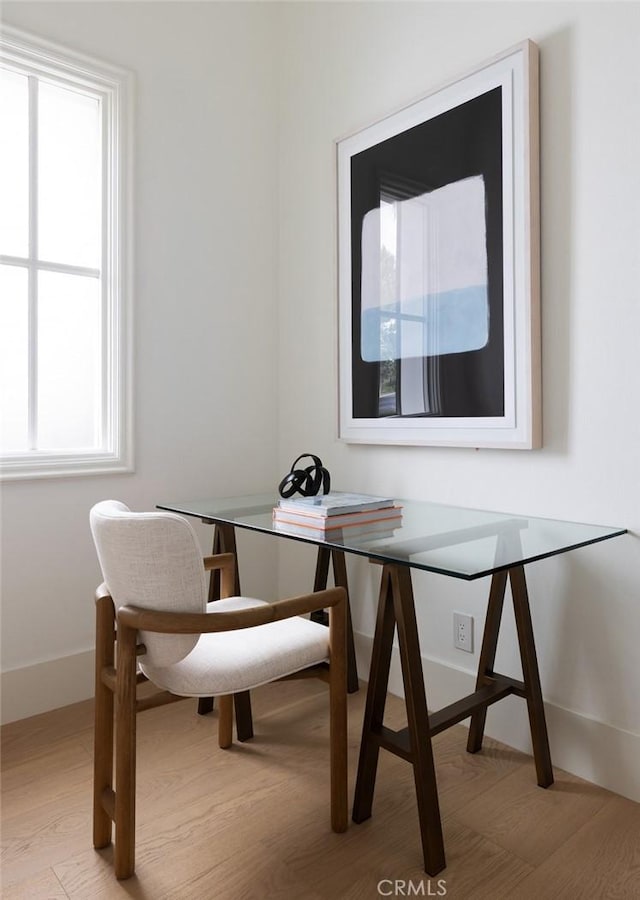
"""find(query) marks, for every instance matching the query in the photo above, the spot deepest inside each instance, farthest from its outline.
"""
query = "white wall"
(344, 66)
(205, 322)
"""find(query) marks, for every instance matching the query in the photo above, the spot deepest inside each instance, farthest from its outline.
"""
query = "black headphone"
(305, 481)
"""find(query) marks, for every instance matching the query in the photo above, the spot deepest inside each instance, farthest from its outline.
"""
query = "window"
(64, 267)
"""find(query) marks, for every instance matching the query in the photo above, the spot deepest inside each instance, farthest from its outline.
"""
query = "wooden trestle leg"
(376, 699)
(396, 607)
(224, 541)
(327, 555)
(531, 689)
(531, 675)
(413, 743)
(487, 656)
(424, 772)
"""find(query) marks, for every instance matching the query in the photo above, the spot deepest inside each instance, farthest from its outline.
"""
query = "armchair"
(153, 623)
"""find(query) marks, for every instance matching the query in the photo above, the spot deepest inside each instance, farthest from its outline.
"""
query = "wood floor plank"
(479, 868)
(44, 778)
(40, 838)
(34, 736)
(463, 777)
(41, 886)
(602, 859)
(506, 813)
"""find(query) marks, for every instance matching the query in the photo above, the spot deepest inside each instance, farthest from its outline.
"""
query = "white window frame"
(37, 57)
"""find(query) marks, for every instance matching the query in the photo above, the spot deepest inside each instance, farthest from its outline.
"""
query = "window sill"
(58, 465)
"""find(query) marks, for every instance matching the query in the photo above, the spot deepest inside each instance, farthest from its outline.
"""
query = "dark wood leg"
(340, 580)
(224, 541)
(487, 656)
(320, 582)
(530, 687)
(531, 676)
(418, 722)
(244, 720)
(376, 699)
(214, 576)
(336, 557)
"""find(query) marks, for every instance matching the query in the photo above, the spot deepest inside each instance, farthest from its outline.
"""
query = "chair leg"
(103, 724)
(225, 721)
(125, 796)
(338, 714)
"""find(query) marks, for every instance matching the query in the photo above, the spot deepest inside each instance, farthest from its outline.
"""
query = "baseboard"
(593, 750)
(47, 685)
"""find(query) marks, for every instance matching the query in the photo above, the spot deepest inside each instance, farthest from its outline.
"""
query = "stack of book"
(338, 516)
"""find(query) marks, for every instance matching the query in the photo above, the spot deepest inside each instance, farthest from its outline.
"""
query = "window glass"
(69, 177)
(14, 164)
(69, 362)
(14, 358)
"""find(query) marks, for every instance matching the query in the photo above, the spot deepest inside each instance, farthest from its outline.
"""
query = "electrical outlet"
(463, 632)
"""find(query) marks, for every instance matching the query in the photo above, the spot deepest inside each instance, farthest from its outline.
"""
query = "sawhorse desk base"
(414, 743)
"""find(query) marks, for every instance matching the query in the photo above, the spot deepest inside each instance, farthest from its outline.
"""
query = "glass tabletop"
(452, 540)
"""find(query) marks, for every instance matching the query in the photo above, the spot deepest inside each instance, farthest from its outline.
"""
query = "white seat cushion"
(232, 661)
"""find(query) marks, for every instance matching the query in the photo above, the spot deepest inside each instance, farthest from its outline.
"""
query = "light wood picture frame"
(439, 266)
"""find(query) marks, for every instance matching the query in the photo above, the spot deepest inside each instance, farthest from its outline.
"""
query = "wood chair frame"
(116, 701)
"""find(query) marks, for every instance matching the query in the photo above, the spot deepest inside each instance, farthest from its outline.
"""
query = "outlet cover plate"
(463, 632)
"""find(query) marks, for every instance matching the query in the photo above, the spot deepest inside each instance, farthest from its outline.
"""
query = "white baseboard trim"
(47, 685)
(593, 750)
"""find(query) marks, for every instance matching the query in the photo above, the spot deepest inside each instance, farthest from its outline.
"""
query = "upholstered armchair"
(153, 623)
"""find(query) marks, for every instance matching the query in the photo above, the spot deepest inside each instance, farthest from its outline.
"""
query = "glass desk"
(453, 541)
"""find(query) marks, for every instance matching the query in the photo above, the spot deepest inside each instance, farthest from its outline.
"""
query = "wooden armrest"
(207, 623)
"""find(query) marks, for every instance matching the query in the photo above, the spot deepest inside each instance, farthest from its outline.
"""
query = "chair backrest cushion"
(152, 560)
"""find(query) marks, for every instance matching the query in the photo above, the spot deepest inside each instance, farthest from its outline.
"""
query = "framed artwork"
(438, 252)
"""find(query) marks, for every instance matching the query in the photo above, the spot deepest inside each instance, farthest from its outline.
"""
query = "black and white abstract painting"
(438, 255)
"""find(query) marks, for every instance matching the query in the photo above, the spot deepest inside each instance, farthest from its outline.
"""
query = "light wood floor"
(253, 821)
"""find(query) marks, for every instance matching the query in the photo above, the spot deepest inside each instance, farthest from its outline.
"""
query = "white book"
(335, 503)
